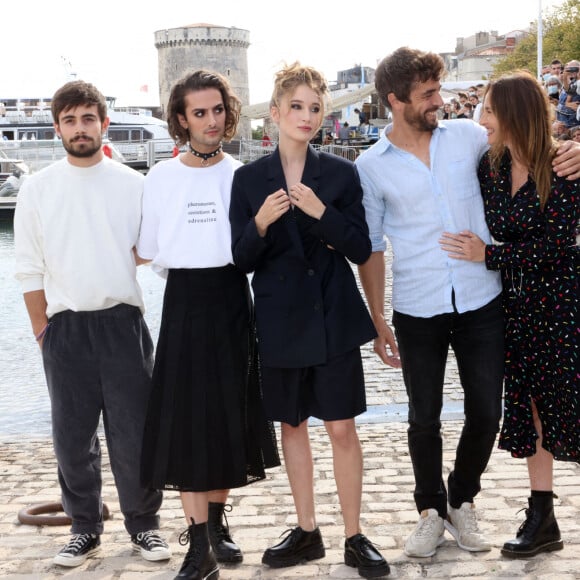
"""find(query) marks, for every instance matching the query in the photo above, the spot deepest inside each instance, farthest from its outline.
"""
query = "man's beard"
(419, 121)
(86, 149)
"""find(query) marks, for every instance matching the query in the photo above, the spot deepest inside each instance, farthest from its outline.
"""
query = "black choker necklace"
(205, 156)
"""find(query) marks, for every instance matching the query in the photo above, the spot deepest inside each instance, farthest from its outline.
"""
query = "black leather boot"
(224, 547)
(298, 546)
(199, 562)
(360, 553)
(538, 533)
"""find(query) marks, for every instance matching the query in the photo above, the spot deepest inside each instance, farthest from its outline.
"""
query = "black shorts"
(330, 392)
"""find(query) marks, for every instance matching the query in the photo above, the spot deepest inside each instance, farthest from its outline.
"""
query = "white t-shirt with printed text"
(185, 221)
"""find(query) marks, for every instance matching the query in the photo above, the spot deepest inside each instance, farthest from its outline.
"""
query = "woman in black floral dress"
(532, 214)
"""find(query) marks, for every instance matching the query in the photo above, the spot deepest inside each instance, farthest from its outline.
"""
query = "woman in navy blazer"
(297, 222)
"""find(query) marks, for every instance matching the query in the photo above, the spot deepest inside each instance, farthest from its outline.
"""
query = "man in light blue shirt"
(413, 204)
(420, 180)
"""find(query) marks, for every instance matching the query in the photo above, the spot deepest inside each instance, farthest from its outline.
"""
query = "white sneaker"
(427, 536)
(462, 525)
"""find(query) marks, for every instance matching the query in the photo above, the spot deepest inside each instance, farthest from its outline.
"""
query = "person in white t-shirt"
(206, 430)
(75, 226)
(479, 105)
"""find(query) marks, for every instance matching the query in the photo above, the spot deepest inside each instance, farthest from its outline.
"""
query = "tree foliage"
(560, 39)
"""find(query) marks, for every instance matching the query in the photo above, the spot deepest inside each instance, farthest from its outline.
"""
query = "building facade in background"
(475, 56)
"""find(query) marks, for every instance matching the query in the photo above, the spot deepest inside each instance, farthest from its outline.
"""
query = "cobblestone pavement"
(264, 510)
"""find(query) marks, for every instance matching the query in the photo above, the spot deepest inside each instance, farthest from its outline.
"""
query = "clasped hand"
(463, 246)
(274, 207)
(304, 198)
(279, 202)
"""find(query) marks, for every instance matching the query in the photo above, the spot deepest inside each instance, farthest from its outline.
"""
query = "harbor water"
(24, 403)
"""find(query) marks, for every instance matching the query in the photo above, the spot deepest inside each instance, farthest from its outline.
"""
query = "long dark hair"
(521, 108)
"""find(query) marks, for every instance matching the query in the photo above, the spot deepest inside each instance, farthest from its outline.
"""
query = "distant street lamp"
(540, 62)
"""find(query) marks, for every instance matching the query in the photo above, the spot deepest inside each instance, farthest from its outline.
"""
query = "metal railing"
(142, 156)
(250, 150)
(35, 154)
(40, 153)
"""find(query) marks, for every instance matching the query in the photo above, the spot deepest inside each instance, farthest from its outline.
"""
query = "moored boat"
(139, 137)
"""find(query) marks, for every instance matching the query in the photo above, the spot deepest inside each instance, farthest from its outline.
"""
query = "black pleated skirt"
(206, 428)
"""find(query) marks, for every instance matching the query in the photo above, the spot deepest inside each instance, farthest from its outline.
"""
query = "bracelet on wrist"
(41, 333)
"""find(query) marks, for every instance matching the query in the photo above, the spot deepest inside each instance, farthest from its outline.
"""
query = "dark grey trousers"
(100, 363)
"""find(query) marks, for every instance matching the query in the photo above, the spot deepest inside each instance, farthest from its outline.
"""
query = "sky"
(112, 44)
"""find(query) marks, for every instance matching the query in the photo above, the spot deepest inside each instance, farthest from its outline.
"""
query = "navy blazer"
(308, 305)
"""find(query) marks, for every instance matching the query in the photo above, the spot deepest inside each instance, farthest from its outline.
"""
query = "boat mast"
(71, 75)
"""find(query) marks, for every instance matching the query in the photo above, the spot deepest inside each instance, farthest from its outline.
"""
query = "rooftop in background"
(454, 86)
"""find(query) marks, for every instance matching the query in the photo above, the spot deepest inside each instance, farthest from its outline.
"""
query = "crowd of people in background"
(467, 105)
(559, 81)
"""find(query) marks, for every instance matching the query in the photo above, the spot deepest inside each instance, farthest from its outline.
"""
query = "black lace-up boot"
(199, 562)
(539, 532)
(361, 554)
(224, 547)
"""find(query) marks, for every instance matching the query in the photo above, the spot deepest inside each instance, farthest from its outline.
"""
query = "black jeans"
(477, 339)
(100, 363)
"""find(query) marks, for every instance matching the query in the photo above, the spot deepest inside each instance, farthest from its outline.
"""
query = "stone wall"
(217, 48)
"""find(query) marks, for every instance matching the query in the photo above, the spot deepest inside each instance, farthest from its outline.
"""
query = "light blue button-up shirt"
(412, 205)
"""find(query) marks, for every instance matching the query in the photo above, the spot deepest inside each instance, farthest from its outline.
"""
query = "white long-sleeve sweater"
(74, 231)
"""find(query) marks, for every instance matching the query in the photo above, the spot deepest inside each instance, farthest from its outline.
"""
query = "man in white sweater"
(76, 225)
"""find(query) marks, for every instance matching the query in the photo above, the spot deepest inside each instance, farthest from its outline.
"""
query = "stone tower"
(217, 48)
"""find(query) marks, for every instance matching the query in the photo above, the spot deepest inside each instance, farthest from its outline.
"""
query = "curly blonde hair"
(294, 75)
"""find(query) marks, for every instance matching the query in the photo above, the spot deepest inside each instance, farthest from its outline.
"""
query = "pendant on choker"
(205, 156)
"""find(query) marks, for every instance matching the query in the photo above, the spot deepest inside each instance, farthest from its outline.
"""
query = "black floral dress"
(537, 255)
